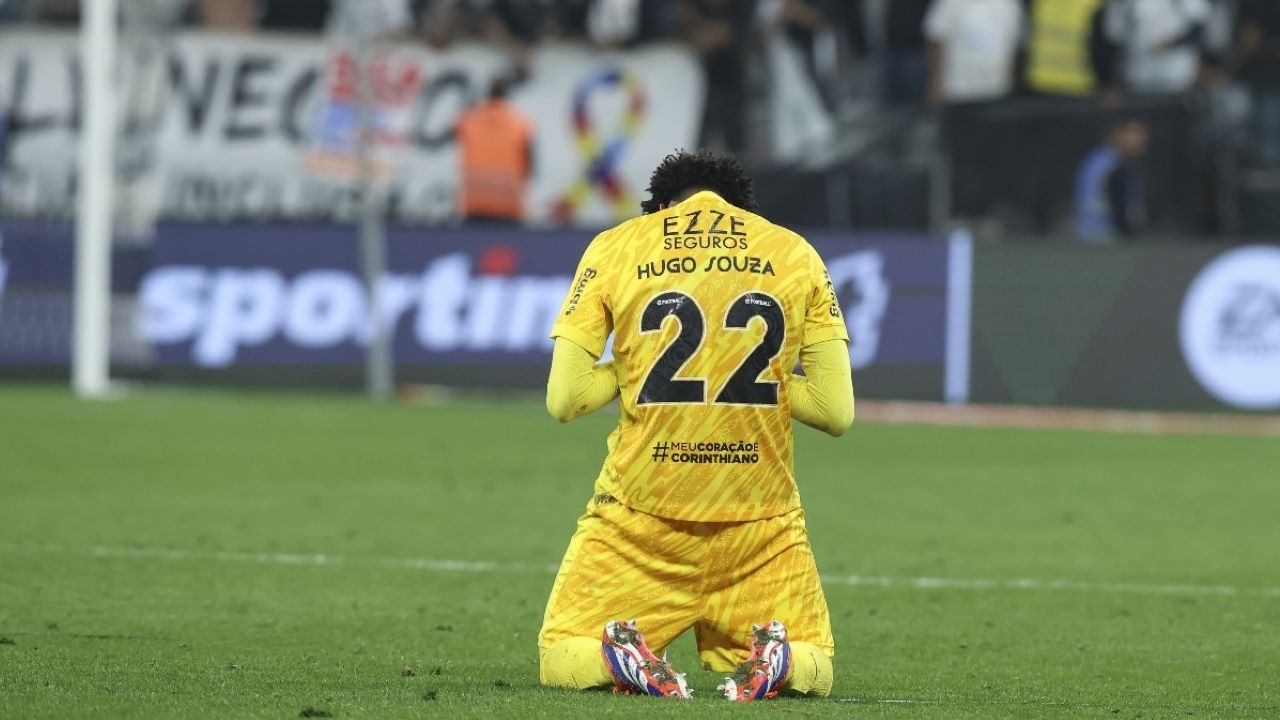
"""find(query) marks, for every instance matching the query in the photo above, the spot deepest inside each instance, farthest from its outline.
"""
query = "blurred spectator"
(13, 10)
(905, 67)
(567, 19)
(605, 23)
(232, 15)
(506, 21)
(807, 25)
(718, 31)
(56, 12)
(613, 23)
(1225, 118)
(495, 142)
(368, 19)
(1110, 191)
(1061, 36)
(512, 25)
(292, 15)
(850, 18)
(1219, 36)
(801, 117)
(1258, 60)
(439, 21)
(972, 47)
(306, 16)
(151, 19)
(1159, 42)
(657, 20)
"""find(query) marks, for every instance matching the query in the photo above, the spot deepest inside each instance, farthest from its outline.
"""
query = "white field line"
(1058, 418)
(472, 566)
(860, 701)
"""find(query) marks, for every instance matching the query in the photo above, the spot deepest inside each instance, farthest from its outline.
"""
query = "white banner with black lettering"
(245, 126)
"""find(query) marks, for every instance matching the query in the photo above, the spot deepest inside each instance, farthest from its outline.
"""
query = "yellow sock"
(576, 663)
(811, 671)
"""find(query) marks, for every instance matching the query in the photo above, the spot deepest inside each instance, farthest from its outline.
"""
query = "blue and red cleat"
(765, 671)
(636, 670)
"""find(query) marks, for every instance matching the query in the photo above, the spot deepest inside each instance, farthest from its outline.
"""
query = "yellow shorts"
(672, 575)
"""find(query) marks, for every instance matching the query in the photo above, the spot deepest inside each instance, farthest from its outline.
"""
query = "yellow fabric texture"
(709, 306)
(575, 663)
(822, 398)
(1058, 49)
(578, 386)
(672, 575)
(811, 672)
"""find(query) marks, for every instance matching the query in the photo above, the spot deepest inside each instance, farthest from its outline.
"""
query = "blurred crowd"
(935, 52)
(958, 52)
(439, 22)
(939, 51)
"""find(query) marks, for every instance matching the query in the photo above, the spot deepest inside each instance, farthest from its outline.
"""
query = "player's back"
(709, 305)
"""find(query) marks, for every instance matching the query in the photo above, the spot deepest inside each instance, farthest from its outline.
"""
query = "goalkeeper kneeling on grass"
(696, 520)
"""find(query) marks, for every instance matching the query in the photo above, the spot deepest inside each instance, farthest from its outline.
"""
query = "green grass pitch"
(206, 554)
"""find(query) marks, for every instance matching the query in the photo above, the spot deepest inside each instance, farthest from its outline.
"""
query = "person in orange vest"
(495, 142)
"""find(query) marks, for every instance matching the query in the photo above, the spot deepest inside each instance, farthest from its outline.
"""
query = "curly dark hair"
(682, 173)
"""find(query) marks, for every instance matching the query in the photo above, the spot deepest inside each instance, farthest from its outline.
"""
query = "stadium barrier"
(1146, 326)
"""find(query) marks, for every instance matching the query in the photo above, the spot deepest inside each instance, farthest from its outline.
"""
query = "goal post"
(90, 362)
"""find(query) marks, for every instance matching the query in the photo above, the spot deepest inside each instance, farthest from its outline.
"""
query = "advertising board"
(230, 300)
(1172, 327)
(1165, 327)
(1229, 327)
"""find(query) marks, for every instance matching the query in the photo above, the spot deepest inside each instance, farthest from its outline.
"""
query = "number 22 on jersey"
(662, 387)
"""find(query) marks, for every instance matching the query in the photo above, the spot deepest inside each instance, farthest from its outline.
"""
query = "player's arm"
(578, 384)
(822, 398)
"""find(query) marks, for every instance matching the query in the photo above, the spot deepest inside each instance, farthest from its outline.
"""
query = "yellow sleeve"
(823, 319)
(822, 398)
(586, 317)
(578, 386)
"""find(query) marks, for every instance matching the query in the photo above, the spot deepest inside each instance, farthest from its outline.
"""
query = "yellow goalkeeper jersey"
(709, 306)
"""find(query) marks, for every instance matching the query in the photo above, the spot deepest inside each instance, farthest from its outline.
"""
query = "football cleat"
(763, 674)
(636, 670)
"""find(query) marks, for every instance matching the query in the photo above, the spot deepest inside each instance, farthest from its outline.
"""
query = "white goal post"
(90, 362)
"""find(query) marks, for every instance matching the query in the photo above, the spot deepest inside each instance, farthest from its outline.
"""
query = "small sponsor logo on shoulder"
(588, 274)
